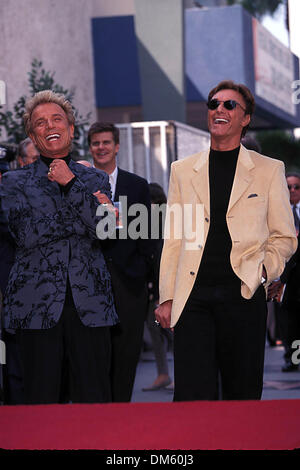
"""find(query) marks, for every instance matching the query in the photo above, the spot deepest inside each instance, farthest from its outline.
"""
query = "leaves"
(258, 8)
(281, 145)
(40, 79)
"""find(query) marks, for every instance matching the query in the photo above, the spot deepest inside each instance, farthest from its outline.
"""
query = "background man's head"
(84, 163)
(104, 144)
(7, 155)
(49, 122)
(230, 107)
(251, 143)
(293, 182)
(27, 152)
(157, 194)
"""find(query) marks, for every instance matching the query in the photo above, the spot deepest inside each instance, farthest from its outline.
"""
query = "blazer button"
(192, 273)
(206, 219)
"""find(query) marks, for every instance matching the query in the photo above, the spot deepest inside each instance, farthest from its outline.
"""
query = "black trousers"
(12, 371)
(127, 336)
(69, 362)
(219, 344)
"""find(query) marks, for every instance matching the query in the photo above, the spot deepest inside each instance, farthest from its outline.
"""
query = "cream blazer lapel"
(242, 178)
(200, 180)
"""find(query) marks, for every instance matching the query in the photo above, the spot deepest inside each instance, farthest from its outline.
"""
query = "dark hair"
(99, 127)
(242, 90)
(293, 174)
(157, 194)
(251, 144)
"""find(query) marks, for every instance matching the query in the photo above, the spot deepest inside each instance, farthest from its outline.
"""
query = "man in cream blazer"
(233, 237)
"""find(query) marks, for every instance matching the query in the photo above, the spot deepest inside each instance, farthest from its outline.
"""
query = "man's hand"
(102, 198)
(60, 172)
(163, 313)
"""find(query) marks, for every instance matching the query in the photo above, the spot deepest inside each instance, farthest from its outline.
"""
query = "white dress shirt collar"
(297, 208)
(113, 181)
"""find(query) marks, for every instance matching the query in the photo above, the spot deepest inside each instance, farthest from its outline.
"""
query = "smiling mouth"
(52, 137)
(221, 121)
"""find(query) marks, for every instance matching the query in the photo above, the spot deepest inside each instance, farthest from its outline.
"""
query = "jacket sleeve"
(83, 204)
(172, 243)
(282, 240)
(31, 227)
(290, 265)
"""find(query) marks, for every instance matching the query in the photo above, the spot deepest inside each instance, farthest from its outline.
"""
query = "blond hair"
(46, 96)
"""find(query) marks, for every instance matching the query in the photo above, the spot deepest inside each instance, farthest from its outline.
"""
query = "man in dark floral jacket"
(59, 297)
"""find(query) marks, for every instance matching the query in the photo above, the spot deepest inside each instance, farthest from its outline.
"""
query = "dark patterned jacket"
(55, 234)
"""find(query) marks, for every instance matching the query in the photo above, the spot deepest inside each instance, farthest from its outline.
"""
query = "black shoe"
(289, 367)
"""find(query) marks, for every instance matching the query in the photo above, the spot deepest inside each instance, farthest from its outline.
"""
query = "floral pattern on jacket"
(55, 234)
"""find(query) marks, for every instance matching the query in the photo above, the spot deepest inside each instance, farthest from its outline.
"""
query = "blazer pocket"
(255, 199)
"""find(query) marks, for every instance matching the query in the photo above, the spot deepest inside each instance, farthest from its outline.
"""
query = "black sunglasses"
(228, 104)
(294, 186)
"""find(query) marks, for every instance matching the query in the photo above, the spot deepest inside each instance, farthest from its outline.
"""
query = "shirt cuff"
(66, 188)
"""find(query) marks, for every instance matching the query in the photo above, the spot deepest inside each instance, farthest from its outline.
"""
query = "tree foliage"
(39, 79)
(258, 8)
(281, 145)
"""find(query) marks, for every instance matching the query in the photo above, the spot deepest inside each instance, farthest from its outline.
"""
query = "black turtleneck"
(63, 189)
(215, 267)
(48, 160)
(67, 159)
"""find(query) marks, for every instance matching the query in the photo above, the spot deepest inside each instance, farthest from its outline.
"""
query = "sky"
(276, 25)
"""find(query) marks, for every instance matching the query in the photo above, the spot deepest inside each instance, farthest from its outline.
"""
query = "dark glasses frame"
(228, 104)
(293, 186)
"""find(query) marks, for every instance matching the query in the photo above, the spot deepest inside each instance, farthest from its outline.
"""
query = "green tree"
(258, 8)
(281, 145)
(39, 79)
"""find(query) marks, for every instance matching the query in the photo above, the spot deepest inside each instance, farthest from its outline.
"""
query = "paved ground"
(277, 385)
